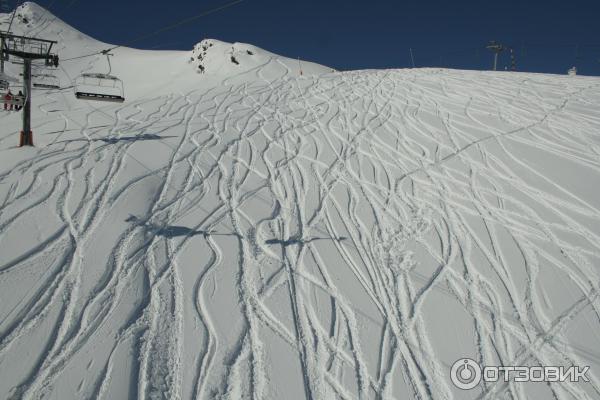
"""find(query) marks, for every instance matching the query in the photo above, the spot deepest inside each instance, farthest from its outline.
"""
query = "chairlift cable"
(109, 65)
(162, 30)
(55, 14)
(186, 21)
(12, 18)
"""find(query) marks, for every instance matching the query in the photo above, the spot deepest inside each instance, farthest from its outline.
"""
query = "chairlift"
(100, 87)
(6, 80)
(16, 103)
(46, 81)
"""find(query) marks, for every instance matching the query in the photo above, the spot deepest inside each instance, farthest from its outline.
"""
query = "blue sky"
(548, 36)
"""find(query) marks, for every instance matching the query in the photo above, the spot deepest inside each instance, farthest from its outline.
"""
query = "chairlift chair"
(46, 81)
(101, 87)
(6, 81)
(16, 103)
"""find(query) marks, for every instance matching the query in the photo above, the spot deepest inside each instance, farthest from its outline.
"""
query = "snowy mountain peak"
(31, 19)
(30, 14)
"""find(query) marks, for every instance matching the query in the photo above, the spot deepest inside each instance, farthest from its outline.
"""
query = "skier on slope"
(7, 99)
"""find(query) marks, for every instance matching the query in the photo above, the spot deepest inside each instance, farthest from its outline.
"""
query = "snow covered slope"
(265, 235)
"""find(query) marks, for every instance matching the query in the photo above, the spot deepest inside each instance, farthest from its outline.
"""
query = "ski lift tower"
(4, 8)
(27, 49)
(497, 48)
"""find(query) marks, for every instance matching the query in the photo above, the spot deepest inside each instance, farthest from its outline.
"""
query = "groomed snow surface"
(249, 233)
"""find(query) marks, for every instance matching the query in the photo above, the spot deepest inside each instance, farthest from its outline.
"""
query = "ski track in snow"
(342, 237)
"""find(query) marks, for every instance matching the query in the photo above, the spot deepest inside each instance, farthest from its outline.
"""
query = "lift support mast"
(28, 49)
(496, 48)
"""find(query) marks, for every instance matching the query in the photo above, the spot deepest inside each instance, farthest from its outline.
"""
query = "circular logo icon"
(465, 374)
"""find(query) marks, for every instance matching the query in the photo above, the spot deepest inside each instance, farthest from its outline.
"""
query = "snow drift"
(249, 233)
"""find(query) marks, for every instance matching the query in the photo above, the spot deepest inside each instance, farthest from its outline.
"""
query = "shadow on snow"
(173, 231)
